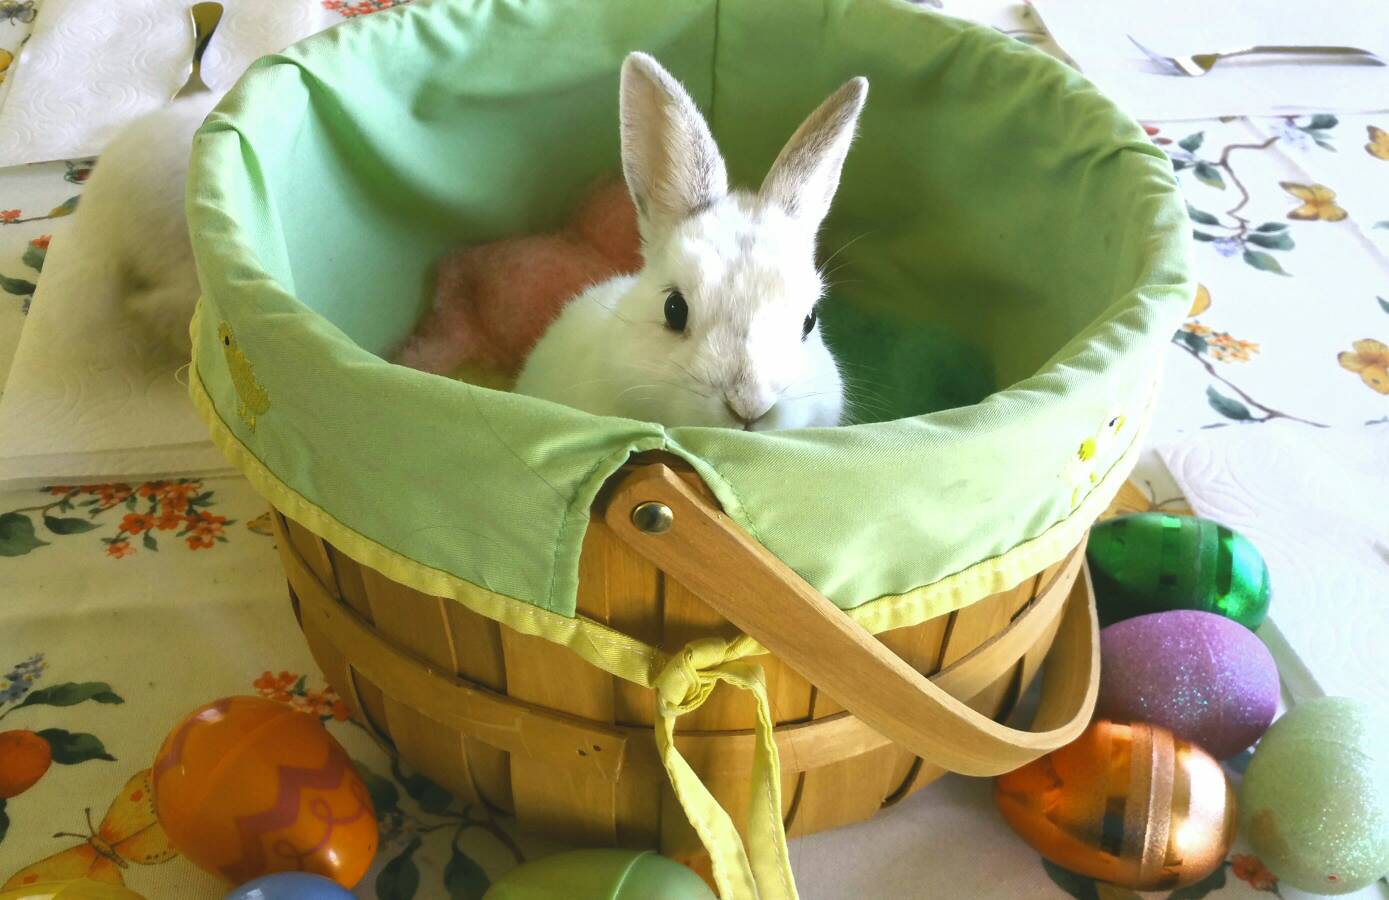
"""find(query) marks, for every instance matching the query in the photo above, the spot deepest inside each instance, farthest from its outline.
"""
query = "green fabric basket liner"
(1011, 264)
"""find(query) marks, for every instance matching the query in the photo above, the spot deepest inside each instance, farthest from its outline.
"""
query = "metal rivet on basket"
(653, 517)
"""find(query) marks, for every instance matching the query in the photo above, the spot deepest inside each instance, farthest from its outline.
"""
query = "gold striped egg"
(1127, 804)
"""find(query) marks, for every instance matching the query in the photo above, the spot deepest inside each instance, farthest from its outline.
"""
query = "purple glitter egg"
(1201, 676)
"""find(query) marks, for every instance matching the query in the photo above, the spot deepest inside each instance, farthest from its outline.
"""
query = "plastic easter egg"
(1316, 796)
(1154, 562)
(290, 886)
(246, 787)
(600, 875)
(1206, 679)
(71, 889)
(1128, 804)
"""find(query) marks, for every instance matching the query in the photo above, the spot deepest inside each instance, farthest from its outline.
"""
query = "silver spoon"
(1198, 64)
(206, 17)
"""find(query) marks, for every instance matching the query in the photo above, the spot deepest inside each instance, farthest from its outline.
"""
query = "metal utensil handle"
(206, 17)
(1301, 51)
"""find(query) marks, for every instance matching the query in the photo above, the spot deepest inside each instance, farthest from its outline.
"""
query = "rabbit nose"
(746, 414)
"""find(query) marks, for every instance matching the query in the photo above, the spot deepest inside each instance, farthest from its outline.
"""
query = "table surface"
(150, 599)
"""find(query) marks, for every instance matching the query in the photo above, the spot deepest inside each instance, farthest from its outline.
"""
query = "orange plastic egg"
(1128, 804)
(246, 786)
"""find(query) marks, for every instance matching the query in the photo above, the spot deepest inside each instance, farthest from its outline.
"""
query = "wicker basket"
(475, 705)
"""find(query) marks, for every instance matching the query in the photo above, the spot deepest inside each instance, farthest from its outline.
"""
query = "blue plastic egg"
(291, 886)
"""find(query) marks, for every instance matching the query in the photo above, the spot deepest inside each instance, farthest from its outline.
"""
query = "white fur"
(745, 264)
(132, 224)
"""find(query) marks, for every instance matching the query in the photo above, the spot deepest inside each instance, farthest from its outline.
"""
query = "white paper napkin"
(1095, 35)
(91, 65)
(89, 398)
(1315, 502)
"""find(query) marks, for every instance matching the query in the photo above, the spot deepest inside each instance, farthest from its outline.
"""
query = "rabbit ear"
(805, 175)
(669, 158)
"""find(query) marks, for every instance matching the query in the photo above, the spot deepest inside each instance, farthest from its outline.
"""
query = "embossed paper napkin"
(92, 65)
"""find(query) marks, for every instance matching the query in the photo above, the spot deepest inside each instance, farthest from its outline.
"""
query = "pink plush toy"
(493, 301)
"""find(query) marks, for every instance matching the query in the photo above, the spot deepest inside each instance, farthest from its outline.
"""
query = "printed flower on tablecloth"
(1316, 131)
(350, 10)
(202, 530)
(1155, 135)
(134, 523)
(1208, 347)
(292, 689)
(1250, 869)
(1370, 359)
(1378, 147)
(1203, 340)
(1318, 202)
(275, 687)
(34, 256)
(1292, 136)
(180, 506)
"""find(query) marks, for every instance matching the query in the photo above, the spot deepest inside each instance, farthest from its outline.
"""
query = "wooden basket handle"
(739, 578)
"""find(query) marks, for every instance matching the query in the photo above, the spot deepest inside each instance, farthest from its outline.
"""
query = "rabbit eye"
(808, 325)
(677, 312)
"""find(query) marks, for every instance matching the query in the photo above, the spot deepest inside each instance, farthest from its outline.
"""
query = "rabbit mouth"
(740, 420)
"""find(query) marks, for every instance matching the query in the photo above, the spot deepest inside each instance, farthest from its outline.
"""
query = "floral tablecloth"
(124, 606)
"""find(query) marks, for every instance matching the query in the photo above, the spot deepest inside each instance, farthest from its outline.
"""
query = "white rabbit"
(132, 224)
(719, 327)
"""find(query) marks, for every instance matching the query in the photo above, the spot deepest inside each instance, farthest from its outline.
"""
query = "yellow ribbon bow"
(763, 871)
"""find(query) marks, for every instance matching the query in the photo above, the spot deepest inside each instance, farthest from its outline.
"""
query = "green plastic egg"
(600, 875)
(1315, 799)
(1155, 562)
(70, 889)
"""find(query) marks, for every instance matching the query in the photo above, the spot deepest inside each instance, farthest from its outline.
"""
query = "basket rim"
(239, 292)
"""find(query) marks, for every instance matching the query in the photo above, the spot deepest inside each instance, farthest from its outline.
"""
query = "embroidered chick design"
(1090, 456)
(254, 400)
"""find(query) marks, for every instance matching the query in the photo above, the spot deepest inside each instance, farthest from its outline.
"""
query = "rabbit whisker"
(658, 384)
(844, 247)
(611, 310)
